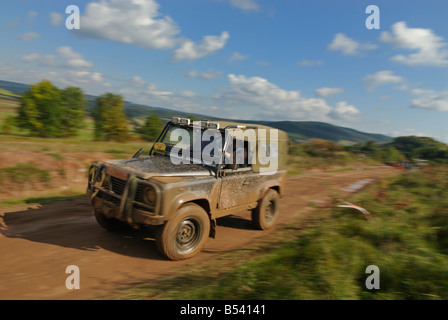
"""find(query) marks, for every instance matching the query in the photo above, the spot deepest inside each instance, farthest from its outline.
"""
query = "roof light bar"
(213, 125)
(184, 121)
(187, 122)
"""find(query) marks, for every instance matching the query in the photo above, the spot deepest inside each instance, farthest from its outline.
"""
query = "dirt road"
(38, 243)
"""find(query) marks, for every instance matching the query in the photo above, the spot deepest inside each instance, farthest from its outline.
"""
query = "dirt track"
(38, 243)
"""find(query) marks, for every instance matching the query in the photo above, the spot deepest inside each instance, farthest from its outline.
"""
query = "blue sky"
(245, 59)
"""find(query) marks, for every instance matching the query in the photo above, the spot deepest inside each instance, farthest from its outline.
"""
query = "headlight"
(149, 195)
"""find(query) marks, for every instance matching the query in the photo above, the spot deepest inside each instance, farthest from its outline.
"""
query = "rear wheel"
(266, 213)
(185, 235)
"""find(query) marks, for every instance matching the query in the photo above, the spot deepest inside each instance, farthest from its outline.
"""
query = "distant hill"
(297, 130)
(426, 148)
(322, 130)
(14, 86)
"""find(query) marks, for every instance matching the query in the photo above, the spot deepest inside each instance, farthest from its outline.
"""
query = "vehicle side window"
(239, 156)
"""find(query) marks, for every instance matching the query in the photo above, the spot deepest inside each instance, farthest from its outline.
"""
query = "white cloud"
(273, 101)
(45, 60)
(348, 46)
(90, 82)
(145, 88)
(263, 63)
(138, 82)
(11, 24)
(344, 111)
(236, 56)
(55, 19)
(188, 94)
(151, 89)
(381, 78)
(28, 36)
(190, 50)
(245, 4)
(139, 23)
(65, 58)
(430, 49)
(208, 75)
(328, 92)
(32, 15)
(310, 63)
(85, 76)
(430, 99)
(68, 53)
(136, 22)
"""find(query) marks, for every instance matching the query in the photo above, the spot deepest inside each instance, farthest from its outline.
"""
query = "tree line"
(50, 112)
(400, 149)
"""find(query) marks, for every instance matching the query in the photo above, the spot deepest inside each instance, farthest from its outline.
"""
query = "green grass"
(63, 145)
(407, 239)
(46, 199)
(24, 173)
(6, 94)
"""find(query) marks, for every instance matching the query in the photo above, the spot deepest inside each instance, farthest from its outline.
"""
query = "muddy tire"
(266, 213)
(185, 234)
(109, 224)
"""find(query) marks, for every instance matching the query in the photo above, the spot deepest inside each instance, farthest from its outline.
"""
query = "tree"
(40, 110)
(369, 148)
(8, 125)
(411, 146)
(111, 122)
(390, 154)
(47, 111)
(72, 118)
(433, 154)
(152, 127)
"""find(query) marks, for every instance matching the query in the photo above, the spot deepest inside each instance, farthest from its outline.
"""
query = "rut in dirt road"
(37, 243)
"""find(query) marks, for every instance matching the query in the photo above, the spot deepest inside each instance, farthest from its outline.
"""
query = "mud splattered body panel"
(109, 184)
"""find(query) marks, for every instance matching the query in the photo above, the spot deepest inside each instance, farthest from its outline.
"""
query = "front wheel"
(266, 213)
(185, 235)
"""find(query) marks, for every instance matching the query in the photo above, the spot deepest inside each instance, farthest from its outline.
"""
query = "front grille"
(139, 193)
(117, 185)
(109, 198)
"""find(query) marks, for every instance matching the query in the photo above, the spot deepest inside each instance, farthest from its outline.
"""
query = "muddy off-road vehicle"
(185, 184)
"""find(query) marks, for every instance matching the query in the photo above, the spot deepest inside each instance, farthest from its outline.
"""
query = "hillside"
(297, 130)
(414, 147)
(313, 129)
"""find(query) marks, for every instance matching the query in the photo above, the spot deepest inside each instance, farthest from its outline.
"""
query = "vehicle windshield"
(196, 145)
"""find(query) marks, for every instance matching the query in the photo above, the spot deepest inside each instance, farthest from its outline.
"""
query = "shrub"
(24, 173)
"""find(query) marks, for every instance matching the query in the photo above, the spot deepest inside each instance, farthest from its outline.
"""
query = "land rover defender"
(195, 173)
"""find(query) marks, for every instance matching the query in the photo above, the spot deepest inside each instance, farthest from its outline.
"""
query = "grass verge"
(24, 173)
(45, 199)
(407, 239)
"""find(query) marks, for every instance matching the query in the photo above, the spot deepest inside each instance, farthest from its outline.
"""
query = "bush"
(24, 173)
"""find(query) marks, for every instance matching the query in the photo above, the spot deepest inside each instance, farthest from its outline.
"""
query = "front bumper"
(122, 205)
(134, 217)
